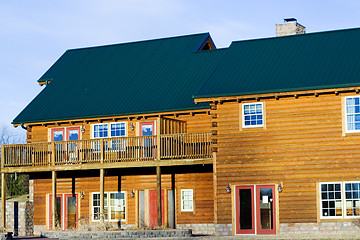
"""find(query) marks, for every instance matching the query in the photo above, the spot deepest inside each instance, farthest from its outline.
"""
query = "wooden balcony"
(144, 151)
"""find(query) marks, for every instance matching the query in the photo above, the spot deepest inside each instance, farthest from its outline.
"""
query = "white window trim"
(345, 111)
(181, 200)
(243, 115)
(108, 207)
(108, 130)
(343, 201)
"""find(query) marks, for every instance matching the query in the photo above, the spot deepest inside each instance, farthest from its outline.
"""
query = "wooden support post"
(102, 216)
(3, 197)
(158, 171)
(53, 200)
(158, 178)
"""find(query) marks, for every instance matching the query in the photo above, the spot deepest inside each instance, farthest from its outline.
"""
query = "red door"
(66, 211)
(153, 208)
(245, 217)
(265, 209)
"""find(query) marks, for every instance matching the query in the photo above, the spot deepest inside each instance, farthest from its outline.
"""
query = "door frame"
(63, 209)
(236, 214)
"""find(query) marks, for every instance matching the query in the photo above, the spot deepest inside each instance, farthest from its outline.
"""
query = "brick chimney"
(289, 27)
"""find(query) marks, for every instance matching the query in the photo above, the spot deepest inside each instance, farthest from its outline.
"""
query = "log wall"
(200, 182)
(301, 144)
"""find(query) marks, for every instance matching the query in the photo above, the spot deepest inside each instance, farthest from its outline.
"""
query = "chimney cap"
(290, 20)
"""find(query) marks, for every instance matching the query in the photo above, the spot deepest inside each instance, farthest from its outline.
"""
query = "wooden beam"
(158, 185)
(3, 199)
(158, 171)
(53, 200)
(102, 216)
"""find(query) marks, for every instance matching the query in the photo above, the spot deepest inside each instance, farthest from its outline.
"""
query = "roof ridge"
(298, 35)
(139, 41)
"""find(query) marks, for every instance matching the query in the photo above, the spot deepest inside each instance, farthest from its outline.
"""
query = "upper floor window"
(103, 130)
(252, 115)
(352, 114)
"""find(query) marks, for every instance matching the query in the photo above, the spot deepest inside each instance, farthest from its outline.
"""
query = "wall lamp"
(280, 187)
(228, 188)
(82, 129)
(132, 126)
(132, 193)
(82, 194)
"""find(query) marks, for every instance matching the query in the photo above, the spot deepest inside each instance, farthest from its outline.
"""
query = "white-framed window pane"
(352, 114)
(96, 206)
(117, 129)
(100, 130)
(331, 200)
(117, 206)
(253, 115)
(187, 202)
(352, 196)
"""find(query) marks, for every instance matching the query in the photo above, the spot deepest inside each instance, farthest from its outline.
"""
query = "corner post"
(53, 201)
(3, 198)
(102, 216)
(158, 171)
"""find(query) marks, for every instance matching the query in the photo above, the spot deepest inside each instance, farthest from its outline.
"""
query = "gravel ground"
(349, 235)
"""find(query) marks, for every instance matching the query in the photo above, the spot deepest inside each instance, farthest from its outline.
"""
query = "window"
(117, 206)
(117, 129)
(187, 203)
(352, 114)
(252, 115)
(96, 207)
(116, 209)
(340, 199)
(352, 196)
(100, 130)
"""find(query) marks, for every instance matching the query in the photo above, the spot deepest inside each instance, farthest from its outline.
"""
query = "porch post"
(102, 217)
(158, 178)
(158, 171)
(3, 199)
(53, 200)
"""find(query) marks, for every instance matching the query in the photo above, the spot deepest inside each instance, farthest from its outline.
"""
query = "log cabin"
(257, 138)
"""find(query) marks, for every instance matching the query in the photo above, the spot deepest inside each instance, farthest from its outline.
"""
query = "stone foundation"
(318, 227)
(25, 217)
(117, 234)
(208, 229)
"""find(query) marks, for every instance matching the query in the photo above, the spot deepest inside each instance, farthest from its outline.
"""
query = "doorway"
(66, 211)
(255, 209)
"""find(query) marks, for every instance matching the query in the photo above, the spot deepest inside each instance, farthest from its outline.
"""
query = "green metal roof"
(292, 63)
(133, 78)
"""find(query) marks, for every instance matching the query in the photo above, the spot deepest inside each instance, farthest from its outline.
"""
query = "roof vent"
(289, 27)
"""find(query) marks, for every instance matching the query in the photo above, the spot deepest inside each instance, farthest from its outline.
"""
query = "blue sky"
(34, 34)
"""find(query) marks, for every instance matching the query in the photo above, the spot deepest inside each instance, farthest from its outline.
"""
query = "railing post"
(3, 197)
(53, 153)
(2, 156)
(102, 150)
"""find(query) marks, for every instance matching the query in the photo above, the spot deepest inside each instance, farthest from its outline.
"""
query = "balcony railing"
(108, 150)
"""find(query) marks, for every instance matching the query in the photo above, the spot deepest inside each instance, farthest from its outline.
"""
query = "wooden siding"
(301, 144)
(176, 124)
(200, 182)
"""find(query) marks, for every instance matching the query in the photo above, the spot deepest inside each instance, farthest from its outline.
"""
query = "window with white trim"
(96, 207)
(113, 130)
(252, 115)
(340, 200)
(114, 206)
(352, 114)
(100, 130)
(187, 200)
